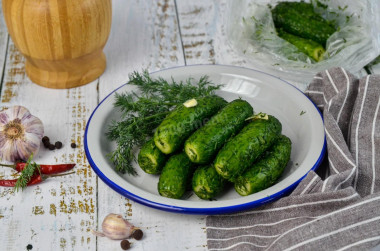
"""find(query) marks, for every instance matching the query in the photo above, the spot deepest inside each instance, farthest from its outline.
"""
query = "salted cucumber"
(150, 158)
(242, 150)
(202, 146)
(266, 171)
(293, 20)
(207, 183)
(176, 176)
(183, 121)
(312, 49)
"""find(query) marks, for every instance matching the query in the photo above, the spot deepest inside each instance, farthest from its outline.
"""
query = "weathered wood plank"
(203, 33)
(3, 41)
(59, 213)
(145, 35)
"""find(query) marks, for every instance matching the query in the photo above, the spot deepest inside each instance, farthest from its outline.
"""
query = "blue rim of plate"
(201, 211)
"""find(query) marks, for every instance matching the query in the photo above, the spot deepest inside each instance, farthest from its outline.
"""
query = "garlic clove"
(33, 125)
(6, 144)
(4, 118)
(20, 112)
(115, 227)
(23, 150)
(191, 103)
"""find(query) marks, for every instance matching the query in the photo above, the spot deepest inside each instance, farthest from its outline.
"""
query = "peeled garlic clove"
(20, 134)
(115, 227)
(191, 103)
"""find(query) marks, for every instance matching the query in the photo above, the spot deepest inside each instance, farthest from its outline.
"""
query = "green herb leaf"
(143, 111)
(27, 174)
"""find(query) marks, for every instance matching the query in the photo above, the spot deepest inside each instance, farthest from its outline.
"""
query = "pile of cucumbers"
(300, 25)
(210, 144)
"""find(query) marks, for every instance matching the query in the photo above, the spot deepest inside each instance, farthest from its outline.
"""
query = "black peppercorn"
(45, 139)
(58, 144)
(137, 234)
(125, 244)
(73, 145)
(46, 144)
(51, 147)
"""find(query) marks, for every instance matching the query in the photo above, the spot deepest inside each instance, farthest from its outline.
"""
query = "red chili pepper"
(8, 183)
(11, 183)
(45, 169)
(36, 179)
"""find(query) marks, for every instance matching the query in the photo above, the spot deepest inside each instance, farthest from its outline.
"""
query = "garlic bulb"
(20, 134)
(115, 227)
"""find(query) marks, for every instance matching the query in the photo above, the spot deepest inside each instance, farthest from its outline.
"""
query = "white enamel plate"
(301, 121)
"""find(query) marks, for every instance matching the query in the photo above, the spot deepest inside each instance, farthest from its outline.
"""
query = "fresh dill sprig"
(27, 173)
(144, 110)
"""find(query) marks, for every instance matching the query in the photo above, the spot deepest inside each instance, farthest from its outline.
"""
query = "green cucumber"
(305, 9)
(295, 22)
(202, 146)
(265, 172)
(150, 158)
(183, 121)
(207, 183)
(175, 177)
(310, 48)
(242, 150)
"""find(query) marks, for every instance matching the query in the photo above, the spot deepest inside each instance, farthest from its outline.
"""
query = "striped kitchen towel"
(340, 211)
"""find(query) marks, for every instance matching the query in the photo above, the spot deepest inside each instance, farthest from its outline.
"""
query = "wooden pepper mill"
(61, 40)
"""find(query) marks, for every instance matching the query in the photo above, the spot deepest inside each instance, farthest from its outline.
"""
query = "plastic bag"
(356, 42)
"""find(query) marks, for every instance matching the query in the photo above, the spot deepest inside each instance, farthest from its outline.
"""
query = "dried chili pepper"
(45, 169)
(36, 179)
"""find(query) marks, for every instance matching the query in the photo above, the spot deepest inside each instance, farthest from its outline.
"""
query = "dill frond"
(27, 173)
(144, 110)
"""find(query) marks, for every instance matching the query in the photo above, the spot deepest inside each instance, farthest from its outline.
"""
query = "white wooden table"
(60, 213)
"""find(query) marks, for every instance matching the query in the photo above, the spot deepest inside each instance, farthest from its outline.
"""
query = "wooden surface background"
(60, 213)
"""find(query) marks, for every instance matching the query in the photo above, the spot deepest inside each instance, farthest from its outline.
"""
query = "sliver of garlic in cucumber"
(20, 134)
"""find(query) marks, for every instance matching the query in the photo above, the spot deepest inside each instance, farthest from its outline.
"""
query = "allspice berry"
(125, 244)
(137, 234)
